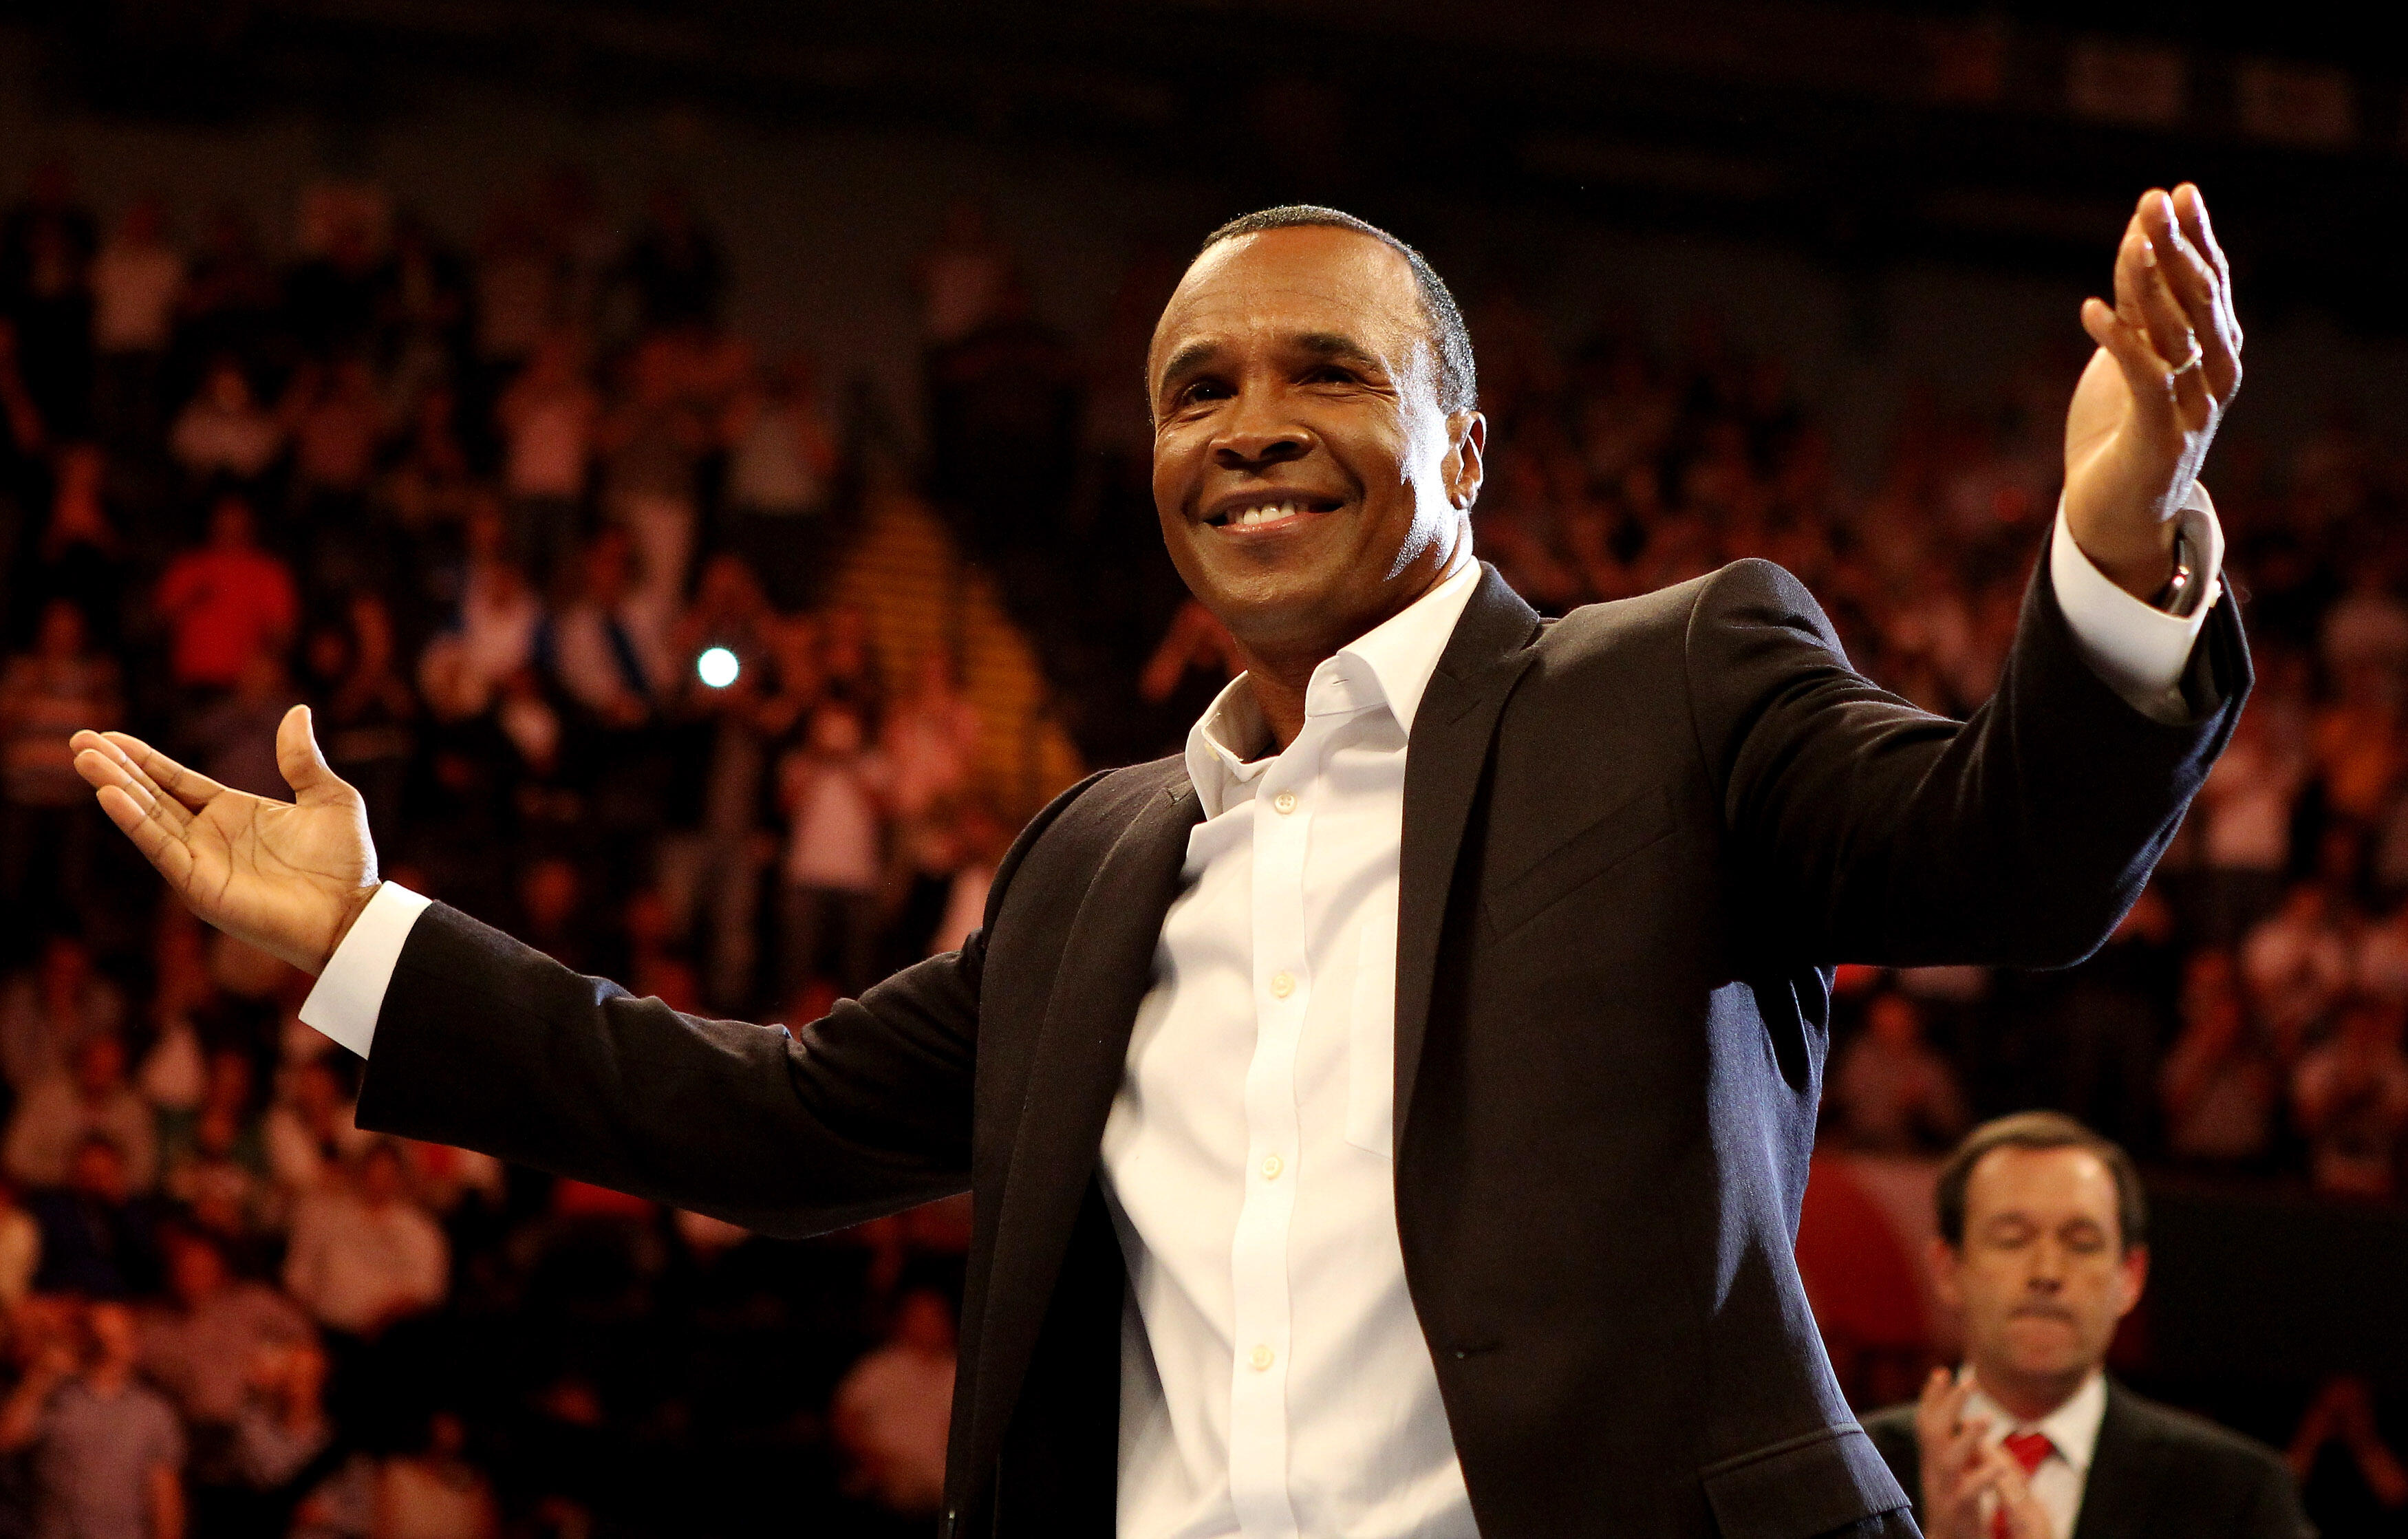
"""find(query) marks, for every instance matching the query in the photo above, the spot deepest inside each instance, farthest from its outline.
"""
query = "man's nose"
(2047, 1272)
(1255, 438)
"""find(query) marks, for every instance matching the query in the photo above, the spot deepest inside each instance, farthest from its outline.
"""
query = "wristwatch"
(2182, 589)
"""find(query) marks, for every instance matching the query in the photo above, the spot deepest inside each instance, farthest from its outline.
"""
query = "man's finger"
(103, 769)
(297, 759)
(189, 786)
(2191, 204)
(172, 857)
(2198, 287)
(2145, 302)
(2145, 373)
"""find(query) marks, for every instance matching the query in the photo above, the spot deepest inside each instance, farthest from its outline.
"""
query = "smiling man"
(1388, 1117)
(2043, 1250)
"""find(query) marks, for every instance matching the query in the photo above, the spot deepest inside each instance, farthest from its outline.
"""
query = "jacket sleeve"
(1880, 833)
(488, 1044)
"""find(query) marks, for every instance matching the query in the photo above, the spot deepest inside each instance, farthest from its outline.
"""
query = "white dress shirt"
(1274, 1378)
(2073, 1433)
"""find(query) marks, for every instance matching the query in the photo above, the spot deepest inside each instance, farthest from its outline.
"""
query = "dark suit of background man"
(1389, 1118)
(2042, 1248)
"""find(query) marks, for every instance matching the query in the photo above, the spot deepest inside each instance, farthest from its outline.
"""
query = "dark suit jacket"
(2154, 1472)
(1633, 840)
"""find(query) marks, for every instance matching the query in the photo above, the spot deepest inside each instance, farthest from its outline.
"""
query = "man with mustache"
(2042, 1248)
(1389, 1118)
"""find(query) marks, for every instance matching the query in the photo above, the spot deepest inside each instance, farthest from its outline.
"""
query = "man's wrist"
(2142, 569)
(356, 903)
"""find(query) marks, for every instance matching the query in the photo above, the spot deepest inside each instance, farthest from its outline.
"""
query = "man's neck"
(2029, 1399)
(1280, 675)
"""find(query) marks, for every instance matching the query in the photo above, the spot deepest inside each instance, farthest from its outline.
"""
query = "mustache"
(2037, 1310)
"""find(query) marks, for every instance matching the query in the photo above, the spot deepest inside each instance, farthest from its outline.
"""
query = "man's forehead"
(1296, 281)
(2025, 1180)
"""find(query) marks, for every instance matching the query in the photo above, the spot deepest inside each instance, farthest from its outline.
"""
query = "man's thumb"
(304, 767)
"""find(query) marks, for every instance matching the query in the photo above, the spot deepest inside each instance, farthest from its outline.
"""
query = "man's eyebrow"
(1186, 360)
(1337, 348)
(1328, 346)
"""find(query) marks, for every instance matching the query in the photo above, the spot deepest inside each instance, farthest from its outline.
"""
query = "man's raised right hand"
(287, 877)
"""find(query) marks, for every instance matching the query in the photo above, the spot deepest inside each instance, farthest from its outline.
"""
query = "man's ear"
(1466, 456)
(1947, 1264)
(2132, 1271)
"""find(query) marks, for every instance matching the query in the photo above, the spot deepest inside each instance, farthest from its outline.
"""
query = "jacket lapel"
(2114, 1491)
(1447, 751)
(1107, 967)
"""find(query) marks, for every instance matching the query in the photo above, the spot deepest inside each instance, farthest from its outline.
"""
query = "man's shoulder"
(1075, 830)
(1104, 802)
(2199, 1444)
(1742, 592)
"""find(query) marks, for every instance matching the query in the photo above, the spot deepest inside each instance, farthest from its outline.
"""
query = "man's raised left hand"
(2168, 364)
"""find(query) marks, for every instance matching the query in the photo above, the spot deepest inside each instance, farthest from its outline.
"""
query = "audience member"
(282, 1434)
(782, 459)
(2296, 964)
(892, 1410)
(435, 1492)
(227, 603)
(1894, 1093)
(492, 638)
(2220, 1089)
(605, 651)
(99, 1238)
(21, 1250)
(45, 697)
(2351, 1095)
(363, 1256)
(2042, 1248)
(309, 1133)
(107, 1454)
(202, 1347)
(89, 1097)
(50, 1011)
(834, 789)
(138, 286)
(223, 433)
(548, 418)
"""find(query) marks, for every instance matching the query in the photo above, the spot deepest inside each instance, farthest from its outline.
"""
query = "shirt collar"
(2072, 1428)
(1388, 665)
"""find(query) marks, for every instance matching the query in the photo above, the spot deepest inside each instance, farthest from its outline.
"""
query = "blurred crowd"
(554, 558)
(549, 553)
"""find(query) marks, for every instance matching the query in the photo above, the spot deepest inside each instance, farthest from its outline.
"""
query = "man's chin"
(2044, 1350)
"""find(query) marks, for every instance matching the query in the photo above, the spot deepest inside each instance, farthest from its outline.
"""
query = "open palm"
(289, 877)
(2148, 405)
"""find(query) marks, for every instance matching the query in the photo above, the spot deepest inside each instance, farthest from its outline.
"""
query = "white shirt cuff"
(351, 992)
(2140, 650)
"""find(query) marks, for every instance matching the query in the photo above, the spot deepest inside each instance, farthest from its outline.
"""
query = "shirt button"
(1259, 1358)
(1272, 1165)
(1282, 984)
(1284, 802)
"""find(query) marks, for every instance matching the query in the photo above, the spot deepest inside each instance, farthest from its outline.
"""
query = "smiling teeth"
(1268, 513)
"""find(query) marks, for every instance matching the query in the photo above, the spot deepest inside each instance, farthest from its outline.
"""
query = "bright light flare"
(717, 667)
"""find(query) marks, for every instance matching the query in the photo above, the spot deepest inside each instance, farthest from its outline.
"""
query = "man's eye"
(1330, 374)
(1203, 389)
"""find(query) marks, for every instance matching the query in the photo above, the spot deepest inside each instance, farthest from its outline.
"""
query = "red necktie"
(2030, 1449)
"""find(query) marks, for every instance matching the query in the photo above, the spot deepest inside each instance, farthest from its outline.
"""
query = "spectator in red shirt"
(226, 602)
